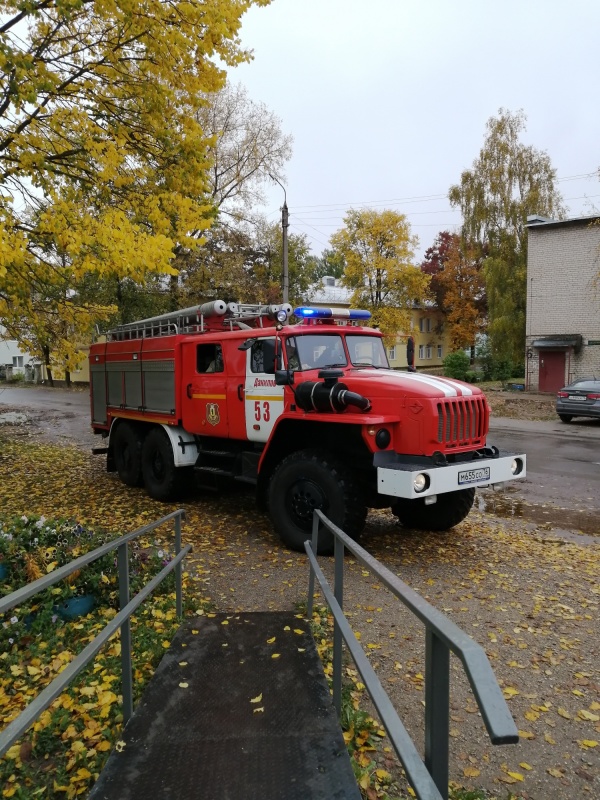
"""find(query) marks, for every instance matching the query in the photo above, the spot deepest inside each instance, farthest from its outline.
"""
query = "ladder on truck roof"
(211, 316)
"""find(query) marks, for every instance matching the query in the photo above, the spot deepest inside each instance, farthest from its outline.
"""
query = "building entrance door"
(552, 370)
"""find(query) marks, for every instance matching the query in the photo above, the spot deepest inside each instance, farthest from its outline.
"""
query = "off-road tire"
(450, 509)
(126, 444)
(158, 466)
(565, 417)
(310, 479)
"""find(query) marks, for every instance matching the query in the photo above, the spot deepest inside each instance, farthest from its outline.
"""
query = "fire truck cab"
(309, 413)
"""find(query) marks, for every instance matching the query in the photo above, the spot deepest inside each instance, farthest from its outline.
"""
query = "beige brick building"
(563, 301)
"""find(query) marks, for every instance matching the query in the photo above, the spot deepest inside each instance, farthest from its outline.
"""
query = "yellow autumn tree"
(103, 159)
(377, 248)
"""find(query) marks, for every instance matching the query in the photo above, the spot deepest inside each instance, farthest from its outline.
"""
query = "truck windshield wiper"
(366, 364)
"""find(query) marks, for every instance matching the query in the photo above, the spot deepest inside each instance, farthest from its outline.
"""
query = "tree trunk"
(46, 351)
(68, 378)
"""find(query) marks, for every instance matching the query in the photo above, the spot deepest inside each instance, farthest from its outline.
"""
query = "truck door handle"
(241, 391)
(188, 390)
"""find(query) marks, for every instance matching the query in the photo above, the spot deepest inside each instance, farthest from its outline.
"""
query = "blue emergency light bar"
(308, 312)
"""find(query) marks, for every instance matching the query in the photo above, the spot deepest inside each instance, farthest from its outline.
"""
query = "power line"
(425, 198)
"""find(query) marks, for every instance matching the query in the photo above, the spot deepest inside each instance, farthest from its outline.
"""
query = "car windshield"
(315, 352)
(367, 351)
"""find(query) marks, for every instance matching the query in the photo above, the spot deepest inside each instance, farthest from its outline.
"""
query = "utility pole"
(285, 278)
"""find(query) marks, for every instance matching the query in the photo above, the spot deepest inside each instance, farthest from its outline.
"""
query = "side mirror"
(284, 377)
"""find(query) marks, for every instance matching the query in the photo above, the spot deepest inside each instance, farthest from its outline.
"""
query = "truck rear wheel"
(158, 466)
(310, 479)
(127, 452)
(450, 509)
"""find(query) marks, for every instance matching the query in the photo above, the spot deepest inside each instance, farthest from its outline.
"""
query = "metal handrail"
(121, 620)
(430, 779)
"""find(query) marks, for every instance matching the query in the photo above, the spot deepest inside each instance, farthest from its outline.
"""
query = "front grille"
(462, 421)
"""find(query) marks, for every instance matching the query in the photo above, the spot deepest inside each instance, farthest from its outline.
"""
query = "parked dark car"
(579, 399)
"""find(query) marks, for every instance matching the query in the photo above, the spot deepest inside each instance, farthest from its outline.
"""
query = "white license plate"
(474, 475)
(578, 398)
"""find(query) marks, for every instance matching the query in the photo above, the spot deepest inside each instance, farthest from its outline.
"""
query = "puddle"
(562, 522)
(13, 418)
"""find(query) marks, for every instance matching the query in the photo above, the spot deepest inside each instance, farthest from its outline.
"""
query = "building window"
(392, 353)
(425, 325)
(17, 361)
(421, 351)
(439, 350)
(428, 351)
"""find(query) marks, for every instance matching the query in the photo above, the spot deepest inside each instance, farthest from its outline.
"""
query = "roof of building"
(537, 221)
(329, 291)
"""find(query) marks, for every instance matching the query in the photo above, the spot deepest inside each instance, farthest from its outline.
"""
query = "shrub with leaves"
(456, 365)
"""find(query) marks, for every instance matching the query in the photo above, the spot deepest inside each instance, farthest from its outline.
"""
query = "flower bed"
(63, 752)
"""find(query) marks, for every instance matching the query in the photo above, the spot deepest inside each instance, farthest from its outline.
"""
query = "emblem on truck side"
(212, 413)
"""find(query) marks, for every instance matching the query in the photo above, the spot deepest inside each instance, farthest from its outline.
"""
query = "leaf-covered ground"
(530, 598)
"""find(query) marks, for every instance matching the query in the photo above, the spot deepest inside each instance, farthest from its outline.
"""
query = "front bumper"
(397, 480)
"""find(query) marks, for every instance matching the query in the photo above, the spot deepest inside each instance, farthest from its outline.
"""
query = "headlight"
(421, 482)
(516, 466)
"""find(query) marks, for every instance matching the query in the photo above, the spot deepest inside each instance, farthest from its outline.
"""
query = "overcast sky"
(387, 100)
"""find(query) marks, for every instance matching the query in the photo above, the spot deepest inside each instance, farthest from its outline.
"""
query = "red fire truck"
(310, 413)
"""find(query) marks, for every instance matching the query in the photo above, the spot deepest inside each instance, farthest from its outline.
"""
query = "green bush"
(456, 365)
(486, 360)
(472, 376)
(504, 370)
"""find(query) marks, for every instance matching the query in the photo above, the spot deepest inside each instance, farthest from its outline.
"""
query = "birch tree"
(507, 182)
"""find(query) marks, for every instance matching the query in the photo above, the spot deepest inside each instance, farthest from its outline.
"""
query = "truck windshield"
(315, 352)
(367, 351)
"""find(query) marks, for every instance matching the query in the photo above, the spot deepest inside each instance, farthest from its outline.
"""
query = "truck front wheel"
(126, 445)
(310, 479)
(450, 509)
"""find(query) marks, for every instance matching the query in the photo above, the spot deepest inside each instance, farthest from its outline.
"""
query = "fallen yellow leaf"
(586, 743)
(256, 699)
(556, 773)
(270, 641)
(526, 735)
(471, 772)
(275, 655)
(583, 714)
(258, 710)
